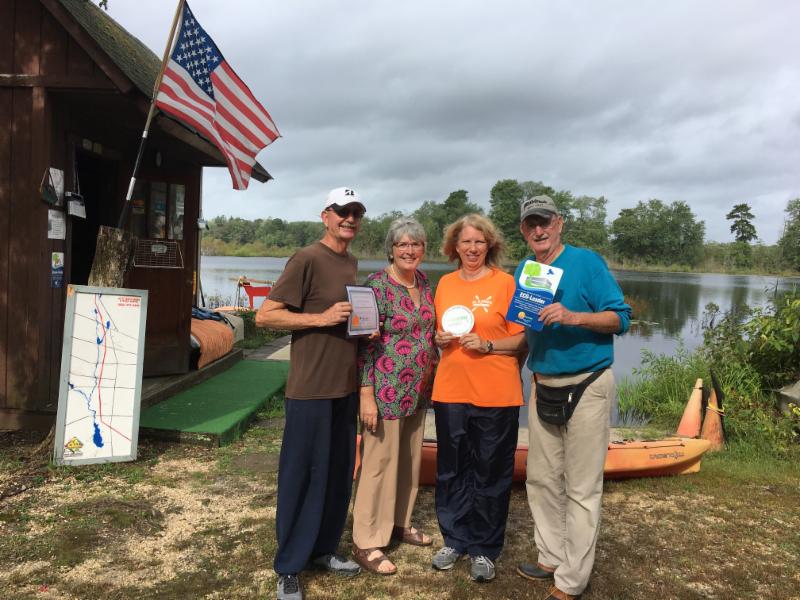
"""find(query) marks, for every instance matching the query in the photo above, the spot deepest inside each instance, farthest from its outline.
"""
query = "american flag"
(200, 88)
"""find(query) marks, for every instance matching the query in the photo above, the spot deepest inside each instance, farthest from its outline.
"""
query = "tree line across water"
(651, 234)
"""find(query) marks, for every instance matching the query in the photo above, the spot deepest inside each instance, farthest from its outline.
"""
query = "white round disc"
(458, 320)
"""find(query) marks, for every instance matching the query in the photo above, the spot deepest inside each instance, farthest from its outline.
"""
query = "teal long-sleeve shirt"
(586, 286)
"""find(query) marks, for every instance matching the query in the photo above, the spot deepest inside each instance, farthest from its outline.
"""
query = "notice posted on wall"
(536, 288)
(75, 205)
(57, 179)
(56, 269)
(56, 225)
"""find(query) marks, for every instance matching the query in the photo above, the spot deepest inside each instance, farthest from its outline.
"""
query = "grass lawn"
(188, 522)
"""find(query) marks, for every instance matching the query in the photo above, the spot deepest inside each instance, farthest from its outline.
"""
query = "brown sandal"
(409, 535)
(361, 556)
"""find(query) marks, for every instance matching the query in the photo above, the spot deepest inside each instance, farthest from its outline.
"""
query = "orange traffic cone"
(692, 414)
(712, 424)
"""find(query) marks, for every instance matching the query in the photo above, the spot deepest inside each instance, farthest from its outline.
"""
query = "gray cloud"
(406, 102)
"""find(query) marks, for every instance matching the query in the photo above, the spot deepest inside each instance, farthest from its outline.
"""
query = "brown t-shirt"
(323, 359)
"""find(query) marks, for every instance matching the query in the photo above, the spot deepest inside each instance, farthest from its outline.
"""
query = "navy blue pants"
(315, 479)
(474, 470)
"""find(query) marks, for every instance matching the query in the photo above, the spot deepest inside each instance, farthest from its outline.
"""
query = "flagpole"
(126, 207)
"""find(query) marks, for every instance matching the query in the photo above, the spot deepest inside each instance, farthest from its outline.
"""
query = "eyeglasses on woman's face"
(405, 246)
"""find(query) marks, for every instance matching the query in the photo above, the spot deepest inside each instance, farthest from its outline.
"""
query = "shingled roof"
(134, 59)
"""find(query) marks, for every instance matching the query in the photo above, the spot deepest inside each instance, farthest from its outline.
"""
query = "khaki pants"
(388, 480)
(565, 481)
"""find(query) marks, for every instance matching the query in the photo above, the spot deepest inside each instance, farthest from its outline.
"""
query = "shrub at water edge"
(752, 353)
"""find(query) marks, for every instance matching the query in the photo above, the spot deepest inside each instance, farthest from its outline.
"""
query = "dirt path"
(186, 522)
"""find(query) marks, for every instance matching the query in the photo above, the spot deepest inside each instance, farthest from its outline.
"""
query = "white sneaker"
(335, 564)
(445, 558)
(482, 569)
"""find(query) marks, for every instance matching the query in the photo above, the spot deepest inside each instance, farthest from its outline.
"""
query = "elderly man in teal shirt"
(574, 346)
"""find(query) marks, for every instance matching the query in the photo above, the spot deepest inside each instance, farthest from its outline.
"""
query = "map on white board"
(101, 375)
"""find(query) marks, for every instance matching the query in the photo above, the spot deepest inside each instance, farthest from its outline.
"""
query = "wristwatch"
(489, 346)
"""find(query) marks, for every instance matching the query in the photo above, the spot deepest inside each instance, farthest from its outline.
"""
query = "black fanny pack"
(555, 405)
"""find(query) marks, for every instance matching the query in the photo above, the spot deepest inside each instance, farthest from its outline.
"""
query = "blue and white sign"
(536, 288)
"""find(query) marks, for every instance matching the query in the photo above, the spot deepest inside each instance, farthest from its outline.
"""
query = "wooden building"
(75, 88)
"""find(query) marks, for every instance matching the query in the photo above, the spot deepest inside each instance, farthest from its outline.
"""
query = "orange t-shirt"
(490, 380)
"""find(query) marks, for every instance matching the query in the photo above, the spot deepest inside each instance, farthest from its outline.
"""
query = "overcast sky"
(407, 101)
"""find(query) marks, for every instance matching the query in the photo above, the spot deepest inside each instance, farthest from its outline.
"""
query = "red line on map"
(100, 380)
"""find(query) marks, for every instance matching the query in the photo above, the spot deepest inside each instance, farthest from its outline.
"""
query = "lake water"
(671, 305)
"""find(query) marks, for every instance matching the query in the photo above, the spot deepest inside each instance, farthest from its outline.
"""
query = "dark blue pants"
(315, 479)
(474, 470)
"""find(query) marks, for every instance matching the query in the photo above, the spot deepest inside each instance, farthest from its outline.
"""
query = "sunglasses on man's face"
(534, 221)
(343, 212)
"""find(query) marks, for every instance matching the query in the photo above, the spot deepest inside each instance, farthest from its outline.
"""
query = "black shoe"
(535, 572)
(289, 588)
(335, 564)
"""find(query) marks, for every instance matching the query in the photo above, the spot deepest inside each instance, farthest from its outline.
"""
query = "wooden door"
(162, 266)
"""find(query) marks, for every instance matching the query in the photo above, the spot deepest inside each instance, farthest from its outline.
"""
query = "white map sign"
(101, 375)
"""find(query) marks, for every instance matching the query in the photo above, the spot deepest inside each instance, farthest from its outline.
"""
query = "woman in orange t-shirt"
(477, 394)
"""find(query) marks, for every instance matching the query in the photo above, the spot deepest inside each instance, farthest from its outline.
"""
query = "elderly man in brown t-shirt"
(318, 451)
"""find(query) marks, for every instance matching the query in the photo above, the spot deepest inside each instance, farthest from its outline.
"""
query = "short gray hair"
(400, 227)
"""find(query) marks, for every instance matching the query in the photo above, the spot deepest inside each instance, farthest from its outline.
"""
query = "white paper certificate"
(364, 318)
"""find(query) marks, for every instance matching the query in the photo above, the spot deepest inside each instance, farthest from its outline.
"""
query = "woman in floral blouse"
(396, 372)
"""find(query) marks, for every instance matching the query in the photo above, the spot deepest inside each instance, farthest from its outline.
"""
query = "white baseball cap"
(342, 196)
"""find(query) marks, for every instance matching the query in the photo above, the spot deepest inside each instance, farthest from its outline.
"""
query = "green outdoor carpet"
(216, 411)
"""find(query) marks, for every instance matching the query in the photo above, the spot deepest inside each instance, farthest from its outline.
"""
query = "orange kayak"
(640, 458)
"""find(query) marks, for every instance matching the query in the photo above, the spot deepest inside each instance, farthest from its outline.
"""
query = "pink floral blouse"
(400, 363)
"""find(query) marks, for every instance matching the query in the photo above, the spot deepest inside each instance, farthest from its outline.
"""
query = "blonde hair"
(494, 239)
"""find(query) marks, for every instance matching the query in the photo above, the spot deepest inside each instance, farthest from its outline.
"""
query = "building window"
(177, 196)
(151, 205)
(157, 213)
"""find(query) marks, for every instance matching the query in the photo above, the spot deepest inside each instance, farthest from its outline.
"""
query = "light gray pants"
(565, 480)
